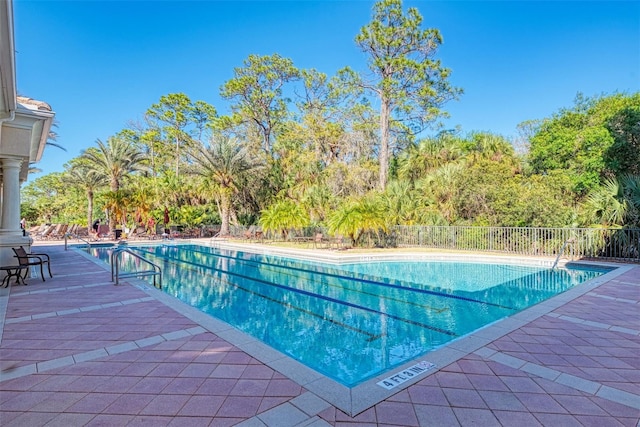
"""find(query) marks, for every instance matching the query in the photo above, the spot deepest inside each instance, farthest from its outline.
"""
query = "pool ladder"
(115, 268)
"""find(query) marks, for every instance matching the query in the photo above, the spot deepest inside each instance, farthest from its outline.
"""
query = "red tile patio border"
(77, 350)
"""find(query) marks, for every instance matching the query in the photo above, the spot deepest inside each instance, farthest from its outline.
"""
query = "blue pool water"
(350, 321)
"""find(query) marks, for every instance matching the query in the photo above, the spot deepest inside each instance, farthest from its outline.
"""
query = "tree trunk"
(177, 157)
(383, 156)
(267, 140)
(89, 212)
(224, 212)
(114, 186)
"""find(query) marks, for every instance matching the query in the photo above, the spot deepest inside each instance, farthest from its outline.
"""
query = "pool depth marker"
(405, 375)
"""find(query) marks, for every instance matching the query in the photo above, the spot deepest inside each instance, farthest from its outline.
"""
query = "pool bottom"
(357, 399)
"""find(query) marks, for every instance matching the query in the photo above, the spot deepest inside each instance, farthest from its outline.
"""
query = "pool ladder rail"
(116, 275)
(68, 235)
(566, 243)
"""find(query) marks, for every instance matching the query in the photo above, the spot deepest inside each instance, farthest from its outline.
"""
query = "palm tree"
(80, 175)
(438, 189)
(114, 160)
(616, 203)
(428, 155)
(283, 216)
(52, 137)
(143, 199)
(359, 216)
(118, 203)
(400, 203)
(222, 163)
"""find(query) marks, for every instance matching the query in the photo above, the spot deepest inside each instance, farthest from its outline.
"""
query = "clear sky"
(101, 64)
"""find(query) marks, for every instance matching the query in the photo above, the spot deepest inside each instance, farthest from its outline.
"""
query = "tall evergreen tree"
(409, 83)
(257, 90)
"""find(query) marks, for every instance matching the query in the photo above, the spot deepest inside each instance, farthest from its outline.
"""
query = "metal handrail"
(216, 238)
(67, 235)
(115, 273)
(570, 241)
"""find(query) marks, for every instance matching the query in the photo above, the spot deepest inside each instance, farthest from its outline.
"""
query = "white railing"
(619, 244)
(602, 243)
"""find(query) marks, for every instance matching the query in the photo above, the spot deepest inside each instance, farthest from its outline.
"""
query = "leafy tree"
(592, 141)
(180, 120)
(623, 156)
(485, 145)
(335, 123)
(29, 213)
(192, 216)
(409, 83)
(47, 194)
(144, 198)
(257, 89)
(535, 201)
(479, 188)
(114, 160)
(321, 122)
(318, 199)
(350, 179)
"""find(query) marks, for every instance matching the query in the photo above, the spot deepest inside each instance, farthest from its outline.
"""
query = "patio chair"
(252, 234)
(28, 259)
(338, 241)
(320, 240)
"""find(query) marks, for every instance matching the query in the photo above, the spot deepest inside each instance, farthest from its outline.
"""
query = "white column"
(11, 196)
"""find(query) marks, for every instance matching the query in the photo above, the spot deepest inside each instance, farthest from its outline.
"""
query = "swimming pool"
(351, 321)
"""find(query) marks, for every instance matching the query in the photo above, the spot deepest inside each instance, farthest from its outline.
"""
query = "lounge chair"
(72, 230)
(54, 232)
(59, 232)
(140, 232)
(44, 233)
(28, 259)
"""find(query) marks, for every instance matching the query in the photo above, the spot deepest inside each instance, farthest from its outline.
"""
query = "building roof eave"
(7, 62)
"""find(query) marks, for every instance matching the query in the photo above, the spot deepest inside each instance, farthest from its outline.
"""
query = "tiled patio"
(77, 350)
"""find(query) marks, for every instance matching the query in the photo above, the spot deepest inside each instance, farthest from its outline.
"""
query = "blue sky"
(101, 64)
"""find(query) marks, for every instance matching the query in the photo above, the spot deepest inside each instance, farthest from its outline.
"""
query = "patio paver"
(77, 350)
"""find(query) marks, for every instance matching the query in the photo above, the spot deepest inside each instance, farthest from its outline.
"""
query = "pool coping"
(354, 400)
